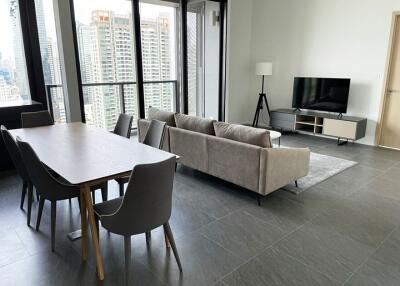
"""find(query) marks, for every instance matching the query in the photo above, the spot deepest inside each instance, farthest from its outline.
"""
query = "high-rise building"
(43, 41)
(157, 64)
(106, 51)
(19, 74)
(55, 78)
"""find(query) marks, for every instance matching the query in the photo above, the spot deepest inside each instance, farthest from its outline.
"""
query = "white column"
(68, 58)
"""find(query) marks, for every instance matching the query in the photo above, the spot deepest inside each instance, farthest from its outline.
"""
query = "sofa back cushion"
(196, 124)
(244, 134)
(161, 115)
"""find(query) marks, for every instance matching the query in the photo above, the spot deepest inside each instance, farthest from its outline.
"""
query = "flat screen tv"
(323, 94)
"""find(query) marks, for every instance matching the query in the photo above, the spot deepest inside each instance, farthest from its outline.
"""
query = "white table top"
(274, 134)
(82, 154)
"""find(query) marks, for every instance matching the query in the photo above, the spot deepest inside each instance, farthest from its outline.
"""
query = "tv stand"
(320, 123)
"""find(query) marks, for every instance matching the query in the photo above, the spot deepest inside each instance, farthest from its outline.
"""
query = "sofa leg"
(259, 200)
(297, 185)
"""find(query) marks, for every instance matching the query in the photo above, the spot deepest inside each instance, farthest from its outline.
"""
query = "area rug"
(322, 167)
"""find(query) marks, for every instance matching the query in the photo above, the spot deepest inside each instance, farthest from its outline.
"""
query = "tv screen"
(324, 94)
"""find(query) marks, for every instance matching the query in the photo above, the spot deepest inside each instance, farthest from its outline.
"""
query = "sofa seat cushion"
(161, 115)
(196, 124)
(244, 134)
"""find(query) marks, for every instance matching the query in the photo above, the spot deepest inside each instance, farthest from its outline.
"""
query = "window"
(158, 31)
(107, 59)
(50, 58)
(14, 85)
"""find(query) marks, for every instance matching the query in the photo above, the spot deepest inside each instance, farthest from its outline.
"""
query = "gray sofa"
(257, 167)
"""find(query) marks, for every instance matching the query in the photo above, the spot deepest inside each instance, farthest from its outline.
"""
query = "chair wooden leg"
(40, 211)
(167, 243)
(53, 224)
(127, 250)
(168, 231)
(104, 192)
(23, 194)
(30, 199)
(121, 189)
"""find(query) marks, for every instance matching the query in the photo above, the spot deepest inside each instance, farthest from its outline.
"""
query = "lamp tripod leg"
(266, 103)
(257, 114)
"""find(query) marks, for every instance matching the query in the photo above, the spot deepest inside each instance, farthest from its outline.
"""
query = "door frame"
(381, 117)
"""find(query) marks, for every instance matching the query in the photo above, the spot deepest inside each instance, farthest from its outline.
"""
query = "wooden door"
(390, 133)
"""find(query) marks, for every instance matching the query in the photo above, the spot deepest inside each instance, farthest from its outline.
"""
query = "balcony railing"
(56, 103)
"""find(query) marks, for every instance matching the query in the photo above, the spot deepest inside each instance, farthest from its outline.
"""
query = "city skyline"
(106, 53)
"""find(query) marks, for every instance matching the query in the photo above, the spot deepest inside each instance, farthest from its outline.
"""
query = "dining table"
(86, 156)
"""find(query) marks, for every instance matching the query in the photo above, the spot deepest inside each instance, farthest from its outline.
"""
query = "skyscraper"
(106, 50)
(157, 64)
(20, 75)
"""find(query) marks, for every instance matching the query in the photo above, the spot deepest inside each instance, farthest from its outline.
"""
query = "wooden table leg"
(83, 223)
(93, 229)
(167, 243)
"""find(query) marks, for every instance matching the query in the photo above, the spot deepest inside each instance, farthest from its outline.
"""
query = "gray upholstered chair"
(122, 128)
(16, 158)
(124, 125)
(49, 187)
(147, 204)
(36, 119)
(154, 138)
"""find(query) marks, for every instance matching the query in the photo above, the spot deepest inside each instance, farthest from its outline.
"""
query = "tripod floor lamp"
(262, 69)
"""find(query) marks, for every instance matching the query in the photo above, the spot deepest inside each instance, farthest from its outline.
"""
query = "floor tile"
(203, 261)
(283, 213)
(383, 268)
(273, 267)
(328, 251)
(242, 234)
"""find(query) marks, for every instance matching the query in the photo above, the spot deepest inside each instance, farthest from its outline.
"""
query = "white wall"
(326, 38)
(238, 61)
(211, 62)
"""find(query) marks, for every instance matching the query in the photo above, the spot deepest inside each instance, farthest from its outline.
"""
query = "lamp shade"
(264, 68)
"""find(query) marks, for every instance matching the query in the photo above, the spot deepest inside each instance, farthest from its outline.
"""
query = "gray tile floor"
(344, 231)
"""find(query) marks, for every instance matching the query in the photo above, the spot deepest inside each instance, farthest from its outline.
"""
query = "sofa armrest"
(281, 166)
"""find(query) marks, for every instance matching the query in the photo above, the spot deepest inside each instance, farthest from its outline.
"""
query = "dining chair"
(147, 204)
(154, 138)
(27, 186)
(122, 128)
(124, 125)
(49, 187)
(36, 119)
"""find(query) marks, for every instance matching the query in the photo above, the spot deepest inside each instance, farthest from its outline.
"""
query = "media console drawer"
(340, 128)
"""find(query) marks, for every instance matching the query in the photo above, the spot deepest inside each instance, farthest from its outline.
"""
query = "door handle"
(391, 92)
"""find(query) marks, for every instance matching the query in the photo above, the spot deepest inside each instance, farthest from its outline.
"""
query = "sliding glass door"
(159, 34)
(203, 37)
